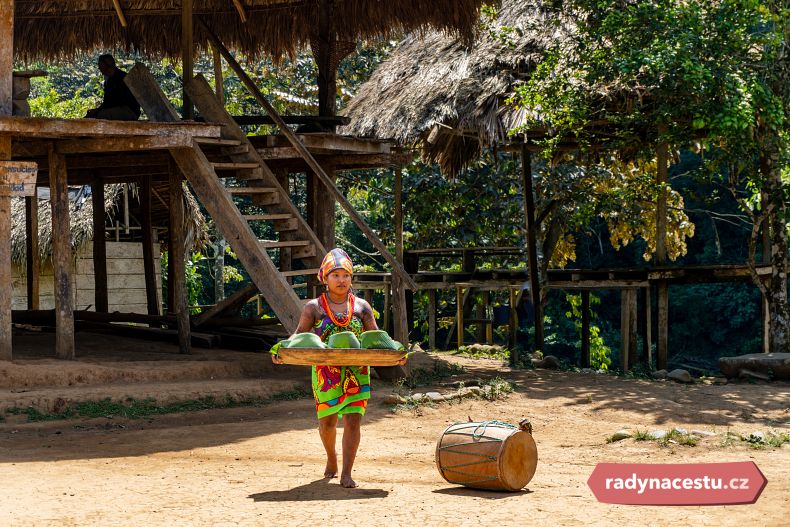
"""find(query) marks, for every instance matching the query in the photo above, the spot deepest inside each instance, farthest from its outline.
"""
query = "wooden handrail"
(308, 158)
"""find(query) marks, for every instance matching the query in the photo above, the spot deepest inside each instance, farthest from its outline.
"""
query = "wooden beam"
(61, 256)
(41, 127)
(187, 55)
(6, 56)
(33, 259)
(233, 302)
(119, 11)
(149, 266)
(532, 245)
(307, 156)
(123, 144)
(99, 246)
(240, 9)
(219, 86)
(178, 255)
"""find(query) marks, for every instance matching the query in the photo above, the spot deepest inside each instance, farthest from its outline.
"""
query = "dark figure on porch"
(119, 104)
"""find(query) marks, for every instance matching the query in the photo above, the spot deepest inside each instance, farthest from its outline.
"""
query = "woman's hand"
(277, 360)
(402, 362)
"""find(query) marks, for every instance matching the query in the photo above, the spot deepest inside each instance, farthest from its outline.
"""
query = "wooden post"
(432, 319)
(186, 55)
(489, 328)
(6, 63)
(532, 245)
(286, 258)
(649, 326)
(513, 298)
(101, 295)
(327, 74)
(218, 80)
(33, 259)
(585, 358)
(625, 326)
(459, 315)
(662, 288)
(766, 260)
(631, 295)
(480, 315)
(399, 291)
(61, 255)
(177, 256)
(6, 96)
(149, 268)
(387, 306)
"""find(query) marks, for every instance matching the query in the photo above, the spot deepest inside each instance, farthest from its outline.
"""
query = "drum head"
(518, 461)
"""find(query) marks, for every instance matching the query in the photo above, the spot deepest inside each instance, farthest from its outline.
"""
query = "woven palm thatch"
(447, 97)
(55, 29)
(81, 223)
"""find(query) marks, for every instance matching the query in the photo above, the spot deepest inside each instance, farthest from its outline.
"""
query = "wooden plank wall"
(125, 280)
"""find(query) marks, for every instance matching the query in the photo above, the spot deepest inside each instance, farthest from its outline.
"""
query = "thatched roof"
(448, 98)
(53, 29)
(81, 221)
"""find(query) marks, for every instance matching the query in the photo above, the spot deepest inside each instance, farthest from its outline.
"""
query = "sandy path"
(261, 466)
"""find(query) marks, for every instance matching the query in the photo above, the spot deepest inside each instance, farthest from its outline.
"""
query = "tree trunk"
(779, 313)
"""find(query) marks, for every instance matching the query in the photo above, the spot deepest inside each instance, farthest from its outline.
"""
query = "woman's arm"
(368, 320)
(306, 322)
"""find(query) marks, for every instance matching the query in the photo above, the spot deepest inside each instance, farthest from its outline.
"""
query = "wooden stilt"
(489, 328)
(6, 281)
(459, 316)
(432, 319)
(513, 293)
(532, 245)
(649, 326)
(149, 268)
(662, 304)
(399, 291)
(387, 307)
(187, 54)
(585, 358)
(6, 62)
(33, 260)
(178, 255)
(480, 315)
(101, 294)
(61, 256)
(631, 295)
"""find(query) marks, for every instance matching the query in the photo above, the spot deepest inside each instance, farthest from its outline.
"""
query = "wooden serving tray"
(341, 356)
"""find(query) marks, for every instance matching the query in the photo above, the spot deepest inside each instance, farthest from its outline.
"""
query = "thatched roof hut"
(446, 97)
(81, 219)
(53, 29)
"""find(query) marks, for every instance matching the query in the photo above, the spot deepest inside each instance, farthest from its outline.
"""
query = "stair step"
(300, 272)
(276, 244)
(267, 217)
(251, 190)
(217, 141)
(235, 150)
(235, 166)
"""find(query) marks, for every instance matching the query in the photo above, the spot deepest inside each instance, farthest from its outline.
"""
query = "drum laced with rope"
(488, 455)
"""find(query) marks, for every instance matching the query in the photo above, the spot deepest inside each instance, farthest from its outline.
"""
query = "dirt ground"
(263, 465)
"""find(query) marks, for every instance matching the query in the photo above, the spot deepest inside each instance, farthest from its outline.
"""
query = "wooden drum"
(488, 455)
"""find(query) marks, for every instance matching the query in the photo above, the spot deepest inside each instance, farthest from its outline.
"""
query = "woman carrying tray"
(339, 391)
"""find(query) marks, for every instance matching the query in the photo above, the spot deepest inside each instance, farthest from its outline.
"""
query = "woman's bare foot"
(347, 482)
(331, 469)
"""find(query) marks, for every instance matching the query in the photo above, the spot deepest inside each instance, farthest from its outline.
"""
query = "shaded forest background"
(483, 206)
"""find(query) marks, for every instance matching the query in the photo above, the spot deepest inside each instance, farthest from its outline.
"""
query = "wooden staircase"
(212, 161)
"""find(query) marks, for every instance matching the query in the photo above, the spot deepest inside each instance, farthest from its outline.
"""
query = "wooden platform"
(341, 356)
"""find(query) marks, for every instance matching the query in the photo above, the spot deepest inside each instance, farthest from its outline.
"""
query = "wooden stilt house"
(170, 146)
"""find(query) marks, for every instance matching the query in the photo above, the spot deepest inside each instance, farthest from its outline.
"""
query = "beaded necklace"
(338, 320)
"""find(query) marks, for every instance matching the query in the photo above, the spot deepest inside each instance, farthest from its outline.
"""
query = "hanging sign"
(18, 178)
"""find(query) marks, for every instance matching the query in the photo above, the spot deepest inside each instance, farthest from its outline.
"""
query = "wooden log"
(532, 245)
(310, 160)
(585, 356)
(149, 94)
(231, 303)
(187, 56)
(119, 12)
(61, 256)
(662, 342)
(178, 255)
(6, 61)
(149, 265)
(33, 259)
(101, 302)
(432, 319)
(773, 365)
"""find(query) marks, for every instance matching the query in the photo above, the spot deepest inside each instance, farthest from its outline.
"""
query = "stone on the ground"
(549, 362)
(679, 375)
(659, 374)
(679, 430)
(756, 437)
(703, 433)
(435, 397)
(393, 398)
(417, 396)
(620, 435)
(657, 434)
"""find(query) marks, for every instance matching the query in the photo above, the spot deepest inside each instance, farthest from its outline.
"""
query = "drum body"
(487, 455)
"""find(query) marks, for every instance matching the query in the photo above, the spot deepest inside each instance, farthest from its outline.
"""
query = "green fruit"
(305, 340)
(344, 339)
(378, 339)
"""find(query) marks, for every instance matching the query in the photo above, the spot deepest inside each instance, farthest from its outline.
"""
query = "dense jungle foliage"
(483, 206)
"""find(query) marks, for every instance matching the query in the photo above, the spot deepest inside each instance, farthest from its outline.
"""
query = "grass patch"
(771, 439)
(497, 388)
(142, 408)
(483, 351)
(673, 436)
